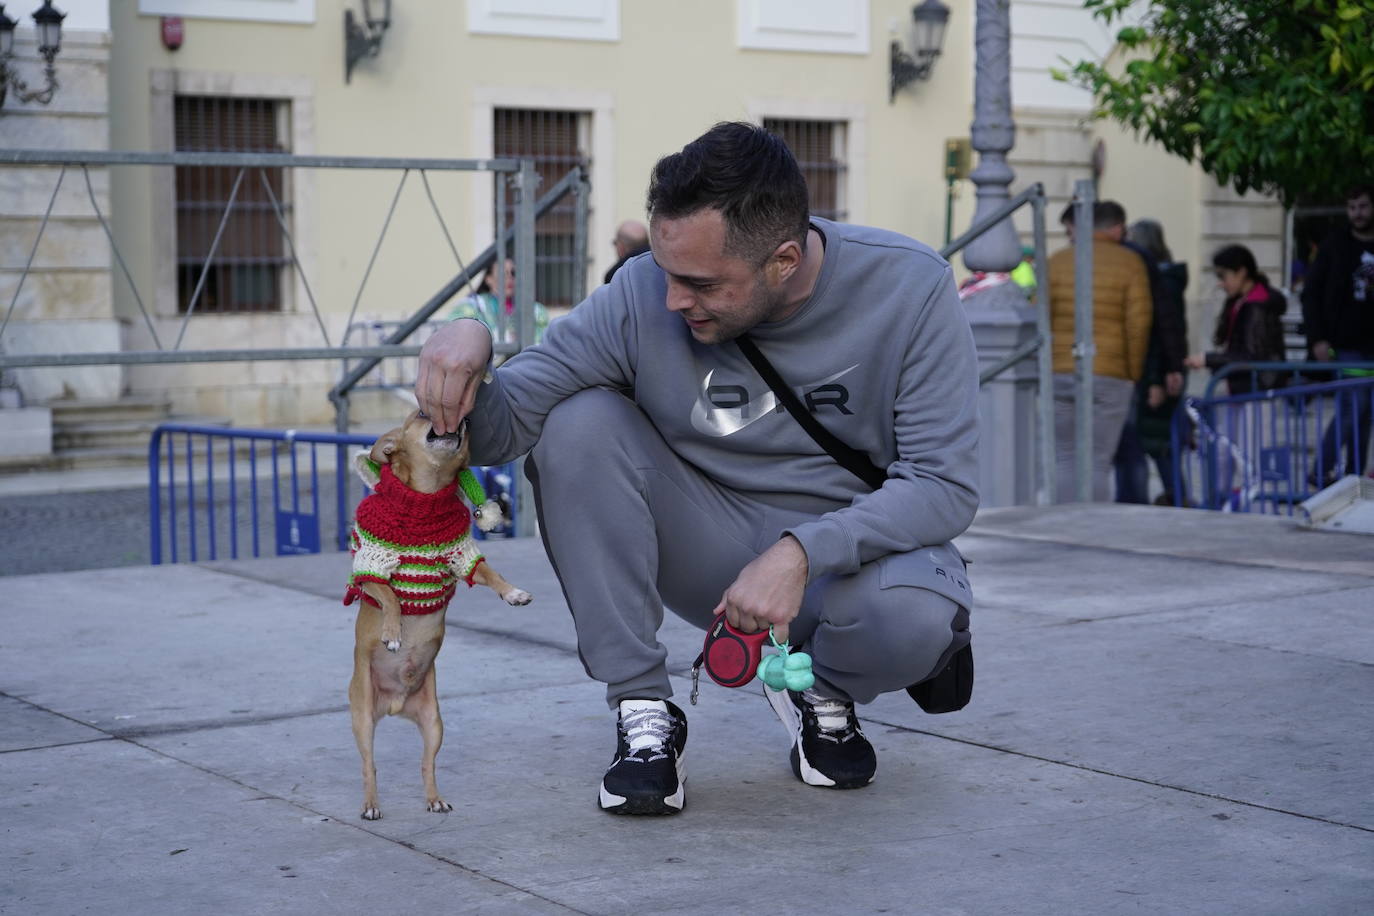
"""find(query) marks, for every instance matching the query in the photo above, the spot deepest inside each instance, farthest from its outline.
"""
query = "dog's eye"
(422, 415)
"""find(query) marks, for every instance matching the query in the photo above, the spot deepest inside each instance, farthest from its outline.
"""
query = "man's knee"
(583, 423)
(914, 639)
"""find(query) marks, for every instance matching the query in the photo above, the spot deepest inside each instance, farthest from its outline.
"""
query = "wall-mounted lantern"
(927, 37)
(364, 39)
(48, 23)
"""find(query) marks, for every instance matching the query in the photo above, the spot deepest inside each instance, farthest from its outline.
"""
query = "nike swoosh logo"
(719, 422)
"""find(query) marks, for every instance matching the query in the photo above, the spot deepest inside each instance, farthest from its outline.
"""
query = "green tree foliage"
(1273, 95)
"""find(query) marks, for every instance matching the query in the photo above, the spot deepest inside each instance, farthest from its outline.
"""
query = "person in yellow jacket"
(1122, 315)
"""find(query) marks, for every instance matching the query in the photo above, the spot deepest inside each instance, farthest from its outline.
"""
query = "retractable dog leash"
(733, 658)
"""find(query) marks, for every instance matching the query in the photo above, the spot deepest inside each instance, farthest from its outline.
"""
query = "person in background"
(1248, 331)
(1338, 316)
(1122, 314)
(1147, 432)
(498, 313)
(1248, 328)
(631, 238)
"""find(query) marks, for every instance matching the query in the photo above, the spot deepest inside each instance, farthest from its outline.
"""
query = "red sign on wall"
(173, 32)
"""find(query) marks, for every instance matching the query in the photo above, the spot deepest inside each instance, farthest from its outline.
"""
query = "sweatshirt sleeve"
(591, 346)
(931, 492)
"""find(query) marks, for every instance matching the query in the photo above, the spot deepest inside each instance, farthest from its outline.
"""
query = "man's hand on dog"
(768, 591)
(452, 364)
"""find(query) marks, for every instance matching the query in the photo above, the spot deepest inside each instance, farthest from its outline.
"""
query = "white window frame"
(299, 188)
(853, 189)
(242, 10)
(576, 20)
(818, 26)
(485, 101)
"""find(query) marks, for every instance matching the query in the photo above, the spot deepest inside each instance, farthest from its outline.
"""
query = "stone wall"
(64, 304)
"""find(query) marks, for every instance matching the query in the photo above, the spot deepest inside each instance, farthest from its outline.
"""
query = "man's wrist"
(803, 561)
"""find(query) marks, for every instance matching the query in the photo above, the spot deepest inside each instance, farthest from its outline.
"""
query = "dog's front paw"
(439, 806)
(517, 597)
(372, 814)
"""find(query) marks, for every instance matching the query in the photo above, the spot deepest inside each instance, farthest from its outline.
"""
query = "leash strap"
(851, 459)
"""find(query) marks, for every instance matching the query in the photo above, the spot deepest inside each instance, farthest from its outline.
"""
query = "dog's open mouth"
(449, 440)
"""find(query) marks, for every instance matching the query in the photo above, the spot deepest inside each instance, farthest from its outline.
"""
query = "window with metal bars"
(556, 141)
(820, 150)
(248, 270)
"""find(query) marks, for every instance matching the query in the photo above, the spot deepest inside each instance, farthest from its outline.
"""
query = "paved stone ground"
(1172, 716)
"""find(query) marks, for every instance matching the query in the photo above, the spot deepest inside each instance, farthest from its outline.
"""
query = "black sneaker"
(647, 774)
(828, 748)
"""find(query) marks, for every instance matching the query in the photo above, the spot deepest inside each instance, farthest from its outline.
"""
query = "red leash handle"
(730, 657)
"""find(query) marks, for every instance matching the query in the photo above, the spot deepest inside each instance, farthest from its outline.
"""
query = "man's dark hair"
(1360, 190)
(746, 173)
(1108, 213)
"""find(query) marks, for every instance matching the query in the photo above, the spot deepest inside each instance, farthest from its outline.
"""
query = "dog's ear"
(385, 446)
(369, 471)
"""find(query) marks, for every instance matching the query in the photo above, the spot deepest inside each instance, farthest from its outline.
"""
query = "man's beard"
(762, 304)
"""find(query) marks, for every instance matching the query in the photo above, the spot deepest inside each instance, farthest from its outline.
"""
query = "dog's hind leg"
(363, 710)
(422, 707)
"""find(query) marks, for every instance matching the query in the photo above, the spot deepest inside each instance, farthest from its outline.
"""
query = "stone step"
(130, 407)
(118, 433)
(78, 459)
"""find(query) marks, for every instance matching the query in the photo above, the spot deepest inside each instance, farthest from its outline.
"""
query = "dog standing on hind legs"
(411, 546)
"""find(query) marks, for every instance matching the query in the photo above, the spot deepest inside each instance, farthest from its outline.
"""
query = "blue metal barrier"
(212, 500)
(1270, 449)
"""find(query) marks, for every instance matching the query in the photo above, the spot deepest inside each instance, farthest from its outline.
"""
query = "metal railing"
(257, 492)
(521, 172)
(215, 516)
(1282, 439)
(1037, 346)
(357, 361)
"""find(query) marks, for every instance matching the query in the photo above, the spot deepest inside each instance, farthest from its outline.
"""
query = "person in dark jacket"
(1248, 329)
(1338, 317)
(1157, 394)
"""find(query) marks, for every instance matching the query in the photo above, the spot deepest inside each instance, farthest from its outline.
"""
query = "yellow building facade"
(613, 83)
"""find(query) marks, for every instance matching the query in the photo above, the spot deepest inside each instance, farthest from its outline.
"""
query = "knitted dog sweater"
(418, 543)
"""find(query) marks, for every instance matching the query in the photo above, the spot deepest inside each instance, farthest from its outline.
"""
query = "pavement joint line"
(48, 747)
(265, 795)
(1158, 552)
(1101, 772)
(405, 844)
(1004, 605)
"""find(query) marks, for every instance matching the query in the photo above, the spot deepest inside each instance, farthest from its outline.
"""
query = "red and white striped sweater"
(418, 543)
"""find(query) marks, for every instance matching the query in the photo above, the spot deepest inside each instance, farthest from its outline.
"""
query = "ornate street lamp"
(927, 37)
(48, 23)
(363, 38)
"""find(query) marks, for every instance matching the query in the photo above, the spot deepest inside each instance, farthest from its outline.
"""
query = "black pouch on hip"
(951, 689)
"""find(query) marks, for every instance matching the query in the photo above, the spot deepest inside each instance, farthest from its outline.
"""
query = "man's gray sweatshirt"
(881, 352)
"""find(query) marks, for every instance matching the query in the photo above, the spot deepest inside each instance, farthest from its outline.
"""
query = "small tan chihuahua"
(411, 545)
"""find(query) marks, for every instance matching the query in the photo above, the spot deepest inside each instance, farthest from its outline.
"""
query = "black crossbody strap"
(851, 459)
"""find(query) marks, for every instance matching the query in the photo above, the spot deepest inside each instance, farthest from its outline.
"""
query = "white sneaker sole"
(791, 720)
(671, 804)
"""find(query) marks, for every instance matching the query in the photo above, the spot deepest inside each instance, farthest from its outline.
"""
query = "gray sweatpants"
(631, 528)
(1111, 403)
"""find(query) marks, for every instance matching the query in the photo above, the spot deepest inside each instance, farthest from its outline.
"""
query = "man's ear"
(785, 260)
(369, 471)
